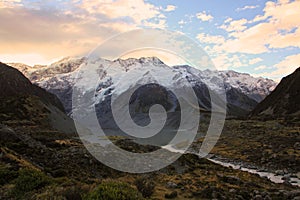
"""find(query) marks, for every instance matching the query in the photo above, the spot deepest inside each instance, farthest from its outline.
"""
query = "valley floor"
(272, 145)
(37, 163)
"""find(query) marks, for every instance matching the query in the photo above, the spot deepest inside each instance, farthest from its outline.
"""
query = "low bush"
(7, 175)
(29, 180)
(145, 186)
(113, 191)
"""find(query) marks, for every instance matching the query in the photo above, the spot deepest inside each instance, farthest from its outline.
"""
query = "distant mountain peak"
(142, 60)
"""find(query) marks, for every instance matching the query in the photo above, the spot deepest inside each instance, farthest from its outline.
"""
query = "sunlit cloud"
(72, 30)
(203, 16)
(236, 25)
(135, 10)
(210, 39)
(29, 59)
(277, 28)
(280, 30)
(287, 66)
(247, 8)
(10, 3)
(170, 8)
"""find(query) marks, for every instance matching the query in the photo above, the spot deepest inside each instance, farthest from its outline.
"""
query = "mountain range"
(243, 91)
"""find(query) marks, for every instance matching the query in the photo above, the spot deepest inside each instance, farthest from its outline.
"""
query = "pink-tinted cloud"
(170, 8)
(72, 31)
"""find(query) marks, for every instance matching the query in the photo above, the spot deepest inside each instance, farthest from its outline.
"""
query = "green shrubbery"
(7, 175)
(145, 186)
(113, 191)
(29, 180)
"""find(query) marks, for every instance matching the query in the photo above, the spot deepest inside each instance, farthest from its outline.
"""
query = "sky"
(258, 37)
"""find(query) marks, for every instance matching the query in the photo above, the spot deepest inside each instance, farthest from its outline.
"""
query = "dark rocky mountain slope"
(284, 100)
(14, 83)
(23, 102)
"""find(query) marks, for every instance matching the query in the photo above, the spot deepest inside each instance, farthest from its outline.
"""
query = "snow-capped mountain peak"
(120, 75)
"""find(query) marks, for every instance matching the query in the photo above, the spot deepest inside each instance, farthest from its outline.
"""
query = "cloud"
(287, 66)
(261, 67)
(170, 8)
(229, 19)
(223, 60)
(278, 27)
(10, 3)
(29, 59)
(210, 39)
(136, 10)
(69, 35)
(291, 39)
(254, 40)
(69, 29)
(247, 8)
(204, 17)
(236, 25)
(255, 60)
(160, 24)
(182, 22)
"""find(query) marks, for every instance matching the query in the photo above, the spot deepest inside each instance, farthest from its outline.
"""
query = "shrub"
(29, 180)
(145, 186)
(58, 192)
(113, 191)
(75, 192)
(59, 173)
(171, 195)
(7, 175)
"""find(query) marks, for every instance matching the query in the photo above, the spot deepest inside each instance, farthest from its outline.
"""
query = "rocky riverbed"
(279, 176)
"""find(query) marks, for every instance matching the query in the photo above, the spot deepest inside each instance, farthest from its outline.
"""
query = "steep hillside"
(22, 102)
(284, 100)
(14, 83)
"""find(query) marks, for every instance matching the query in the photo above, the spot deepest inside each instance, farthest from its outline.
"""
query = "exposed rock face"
(284, 100)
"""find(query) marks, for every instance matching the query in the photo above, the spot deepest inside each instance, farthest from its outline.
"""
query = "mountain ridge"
(58, 78)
